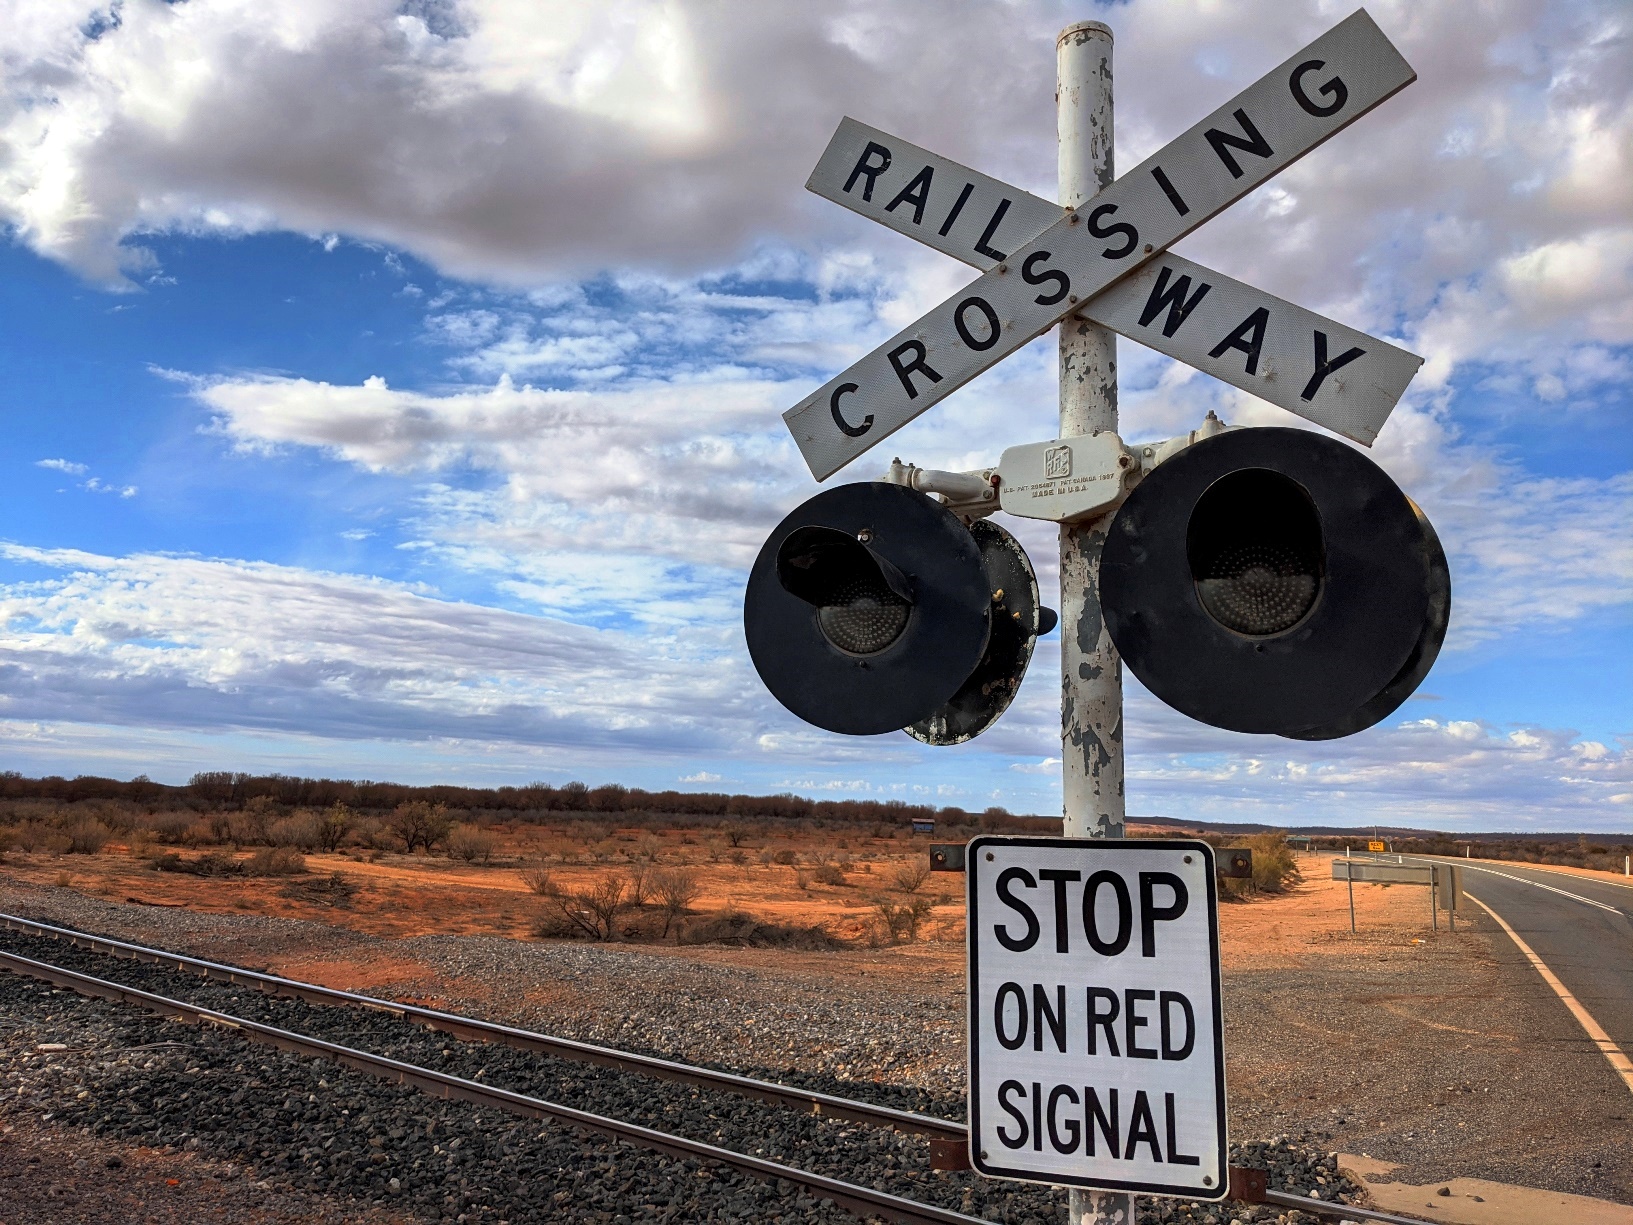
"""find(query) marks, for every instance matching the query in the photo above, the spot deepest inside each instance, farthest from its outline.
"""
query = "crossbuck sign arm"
(1311, 96)
(1294, 358)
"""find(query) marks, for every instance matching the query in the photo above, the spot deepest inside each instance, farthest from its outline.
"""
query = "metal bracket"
(969, 495)
(947, 857)
(949, 1154)
(1152, 454)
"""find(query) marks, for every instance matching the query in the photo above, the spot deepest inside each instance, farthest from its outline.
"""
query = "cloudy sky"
(393, 390)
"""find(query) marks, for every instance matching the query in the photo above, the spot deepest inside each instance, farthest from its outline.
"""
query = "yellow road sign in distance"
(1375, 846)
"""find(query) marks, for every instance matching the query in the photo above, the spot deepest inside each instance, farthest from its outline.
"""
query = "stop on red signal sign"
(1097, 1053)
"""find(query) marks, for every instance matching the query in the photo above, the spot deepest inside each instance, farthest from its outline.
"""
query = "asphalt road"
(1581, 927)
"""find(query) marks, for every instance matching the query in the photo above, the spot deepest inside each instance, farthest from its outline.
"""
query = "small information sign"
(1097, 1052)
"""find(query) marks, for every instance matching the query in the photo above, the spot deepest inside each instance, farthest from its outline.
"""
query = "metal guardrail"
(948, 1139)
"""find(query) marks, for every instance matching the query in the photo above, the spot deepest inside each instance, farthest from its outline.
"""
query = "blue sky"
(395, 391)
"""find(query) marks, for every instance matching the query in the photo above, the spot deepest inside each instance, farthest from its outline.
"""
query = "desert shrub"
(471, 843)
(332, 825)
(373, 834)
(802, 878)
(170, 827)
(221, 826)
(254, 823)
(828, 874)
(731, 926)
(86, 836)
(676, 889)
(903, 922)
(910, 876)
(275, 861)
(419, 824)
(639, 876)
(738, 857)
(736, 834)
(539, 880)
(336, 890)
(298, 830)
(784, 857)
(591, 911)
(211, 863)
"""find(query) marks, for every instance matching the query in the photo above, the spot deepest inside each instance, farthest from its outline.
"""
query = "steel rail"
(863, 1201)
(1349, 1212)
(470, 1029)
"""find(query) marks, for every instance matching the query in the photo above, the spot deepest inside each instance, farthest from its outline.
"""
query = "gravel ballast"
(848, 1151)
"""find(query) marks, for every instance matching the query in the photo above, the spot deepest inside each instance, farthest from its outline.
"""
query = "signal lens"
(1255, 550)
(862, 616)
(860, 598)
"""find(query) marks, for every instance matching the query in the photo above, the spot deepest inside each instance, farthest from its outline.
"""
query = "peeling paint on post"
(1091, 689)
(1091, 674)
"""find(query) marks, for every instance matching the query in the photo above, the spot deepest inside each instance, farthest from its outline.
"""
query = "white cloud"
(1048, 765)
(701, 776)
(62, 465)
(191, 643)
(1486, 208)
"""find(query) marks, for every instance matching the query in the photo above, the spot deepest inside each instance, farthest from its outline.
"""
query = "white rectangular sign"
(1296, 359)
(1285, 114)
(1097, 1052)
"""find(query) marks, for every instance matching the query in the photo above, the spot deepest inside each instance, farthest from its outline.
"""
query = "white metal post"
(1091, 697)
(1349, 880)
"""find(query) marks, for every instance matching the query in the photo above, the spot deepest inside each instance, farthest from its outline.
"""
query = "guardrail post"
(1349, 881)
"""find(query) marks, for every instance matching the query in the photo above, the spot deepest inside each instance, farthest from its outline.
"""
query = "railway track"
(869, 1202)
(471, 1029)
(863, 1201)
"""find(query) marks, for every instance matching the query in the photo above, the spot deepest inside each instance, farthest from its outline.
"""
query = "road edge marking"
(1542, 867)
(1537, 884)
(1613, 1054)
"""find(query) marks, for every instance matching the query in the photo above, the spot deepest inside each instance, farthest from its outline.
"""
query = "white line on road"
(1536, 884)
(1612, 1053)
(1537, 867)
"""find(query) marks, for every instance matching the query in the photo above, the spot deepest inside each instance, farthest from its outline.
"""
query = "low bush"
(736, 928)
(828, 874)
(676, 889)
(591, 911)
(470, 843)
(275, 861)
(910, 876)
(902, 923)
(86, 836)
(335, 890)
(300, 831)
(211, 863)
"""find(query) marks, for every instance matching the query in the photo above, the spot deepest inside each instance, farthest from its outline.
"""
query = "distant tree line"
(222, 790)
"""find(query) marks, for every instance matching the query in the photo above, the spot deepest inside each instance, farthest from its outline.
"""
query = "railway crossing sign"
(1294, 358)
(1097, 1053)
(1286, 113)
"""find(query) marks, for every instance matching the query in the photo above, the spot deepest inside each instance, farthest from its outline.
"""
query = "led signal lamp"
(873, 608)
(1275, 580)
